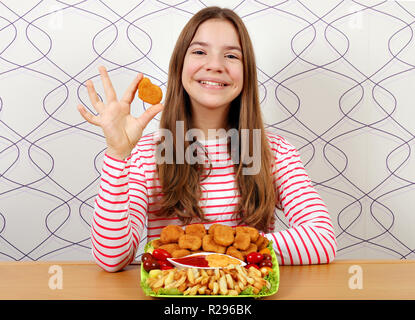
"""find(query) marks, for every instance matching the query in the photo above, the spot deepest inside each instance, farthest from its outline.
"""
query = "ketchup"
(196, 261)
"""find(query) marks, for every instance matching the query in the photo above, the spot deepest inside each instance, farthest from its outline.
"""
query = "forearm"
(308, 243)
(114, 238)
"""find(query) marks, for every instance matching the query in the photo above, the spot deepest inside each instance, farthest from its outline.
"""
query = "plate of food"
(218, 262)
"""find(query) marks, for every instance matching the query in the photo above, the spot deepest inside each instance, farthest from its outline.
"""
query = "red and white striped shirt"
(124, 218)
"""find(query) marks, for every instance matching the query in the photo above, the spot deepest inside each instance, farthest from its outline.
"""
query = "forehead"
(217, 32)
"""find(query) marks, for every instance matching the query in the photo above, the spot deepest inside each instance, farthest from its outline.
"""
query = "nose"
(215, 62)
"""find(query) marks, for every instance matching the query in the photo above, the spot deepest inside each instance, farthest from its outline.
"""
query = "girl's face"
(213, 70)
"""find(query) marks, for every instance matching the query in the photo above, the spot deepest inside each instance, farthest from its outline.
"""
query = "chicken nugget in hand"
(149, 92)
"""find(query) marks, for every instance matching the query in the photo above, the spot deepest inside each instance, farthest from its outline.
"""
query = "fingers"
(87, 115)
(108, 88)
(132, 89)
(93, 96)
(149, 114)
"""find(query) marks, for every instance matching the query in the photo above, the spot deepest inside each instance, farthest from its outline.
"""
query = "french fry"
(241, 285)
(211, 282)
(201, 290)
(215, 288)
(151, 281)
(182, 287)
(233, 292)
(241, 270)
(198, 280)
(187, 291)
(229, 281)
(258, 285)
(194, 289)
(237, 289)
(223, 286)
(203, 273)
(242, 279)
(170, 278)
(196, 273)
(190, 276)
(159, 283)
(217, 274)
(204, 280)
(252, 271)
(177, 283)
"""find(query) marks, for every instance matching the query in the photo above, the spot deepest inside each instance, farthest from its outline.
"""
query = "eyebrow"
(205, 44)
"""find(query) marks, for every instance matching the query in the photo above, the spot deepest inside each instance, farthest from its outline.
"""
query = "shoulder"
(279, 145)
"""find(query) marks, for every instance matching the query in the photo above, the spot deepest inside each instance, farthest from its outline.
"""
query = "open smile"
(212, 84)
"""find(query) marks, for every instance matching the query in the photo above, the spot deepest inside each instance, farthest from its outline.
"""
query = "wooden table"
(380, 279)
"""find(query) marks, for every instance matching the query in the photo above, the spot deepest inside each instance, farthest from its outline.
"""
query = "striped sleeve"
(310, 238)
(119, 216)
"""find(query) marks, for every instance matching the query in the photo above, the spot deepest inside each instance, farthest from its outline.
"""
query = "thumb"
(149, 114)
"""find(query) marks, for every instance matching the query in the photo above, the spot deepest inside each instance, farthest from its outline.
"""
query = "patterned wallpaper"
(336, 78)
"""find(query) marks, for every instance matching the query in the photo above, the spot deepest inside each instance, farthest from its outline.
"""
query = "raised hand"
(122, 131)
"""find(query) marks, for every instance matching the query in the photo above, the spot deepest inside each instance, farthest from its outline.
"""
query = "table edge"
(87, 262)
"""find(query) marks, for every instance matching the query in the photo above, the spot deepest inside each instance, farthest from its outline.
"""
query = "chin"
(213, 106)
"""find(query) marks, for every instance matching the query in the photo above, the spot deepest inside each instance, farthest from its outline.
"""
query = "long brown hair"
(181, 189)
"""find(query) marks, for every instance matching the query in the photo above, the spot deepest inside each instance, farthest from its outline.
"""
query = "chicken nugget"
(171, 233)
(180, 253)
(232, 251)
(190, 241)
(259, 241)
(170, 247)
(197, 229)
(156, 243)
(252, 248)
(253, 233)
(210, 245)
(263, 244)
(149, 92)
(223, 235)
(242, 240)
(212, 228)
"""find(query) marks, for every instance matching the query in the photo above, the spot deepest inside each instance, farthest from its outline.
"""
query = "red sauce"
(196, 261)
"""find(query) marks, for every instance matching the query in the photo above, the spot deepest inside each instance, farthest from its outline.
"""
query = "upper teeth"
(212, 83)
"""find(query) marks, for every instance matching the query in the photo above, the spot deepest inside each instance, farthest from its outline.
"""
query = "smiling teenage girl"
(212, 84)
